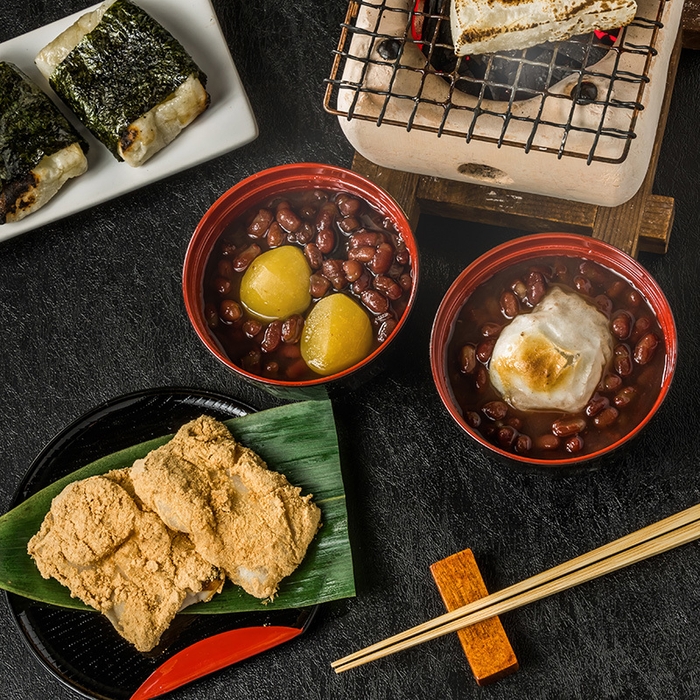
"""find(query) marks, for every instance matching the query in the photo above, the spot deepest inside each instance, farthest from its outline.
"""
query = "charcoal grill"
(575, 120)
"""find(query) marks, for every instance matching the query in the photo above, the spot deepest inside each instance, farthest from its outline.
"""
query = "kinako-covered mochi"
(487, 26)
(39, 148)
(242, 517)
(121, 559)
(127, 79)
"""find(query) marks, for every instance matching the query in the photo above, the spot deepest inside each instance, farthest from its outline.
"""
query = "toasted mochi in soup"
(486, 26)
(554, 357)
(244, 518)
(126, 78)
(121, 559)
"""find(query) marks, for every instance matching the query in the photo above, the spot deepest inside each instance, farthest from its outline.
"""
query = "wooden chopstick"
(659, 537)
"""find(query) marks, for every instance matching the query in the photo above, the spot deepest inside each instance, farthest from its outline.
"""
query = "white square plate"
(227, 124)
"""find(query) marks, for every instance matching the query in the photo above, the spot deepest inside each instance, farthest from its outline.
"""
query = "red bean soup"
(349, 248)
(625, 388)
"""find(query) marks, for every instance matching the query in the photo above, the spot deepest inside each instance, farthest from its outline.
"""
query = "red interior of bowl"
(537, 246)
(275, 181)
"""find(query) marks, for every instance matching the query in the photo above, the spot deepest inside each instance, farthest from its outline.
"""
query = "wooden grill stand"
(642, 223)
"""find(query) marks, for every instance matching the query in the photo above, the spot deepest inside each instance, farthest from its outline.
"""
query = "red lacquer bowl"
(265, 185)
(514, 254)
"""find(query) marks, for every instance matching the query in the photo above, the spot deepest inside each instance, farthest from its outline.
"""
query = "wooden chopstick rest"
(485, 644)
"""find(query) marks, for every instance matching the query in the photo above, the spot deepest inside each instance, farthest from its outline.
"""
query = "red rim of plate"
(536, 246)
(276, 181)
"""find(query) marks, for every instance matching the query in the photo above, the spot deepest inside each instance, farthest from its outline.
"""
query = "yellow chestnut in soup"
(276, 284)
(337, 334)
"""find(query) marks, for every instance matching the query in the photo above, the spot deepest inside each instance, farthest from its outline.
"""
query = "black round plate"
(82, 649)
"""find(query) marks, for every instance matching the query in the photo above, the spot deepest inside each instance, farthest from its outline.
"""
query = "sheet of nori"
(120, 70)
(31, 126)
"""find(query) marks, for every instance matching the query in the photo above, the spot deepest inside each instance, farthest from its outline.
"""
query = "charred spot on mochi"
(14, 195)
(128, 139)
(547, 366)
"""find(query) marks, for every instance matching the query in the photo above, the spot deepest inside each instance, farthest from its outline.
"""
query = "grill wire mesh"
(391, 53)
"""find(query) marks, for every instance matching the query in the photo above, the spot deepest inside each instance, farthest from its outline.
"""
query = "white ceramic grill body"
(607, 182)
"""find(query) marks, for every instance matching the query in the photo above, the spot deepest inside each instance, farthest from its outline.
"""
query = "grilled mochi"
(553, 357)
(39, 148)
(242, 517)
(99, 541)
(126, 78)
(487, 26)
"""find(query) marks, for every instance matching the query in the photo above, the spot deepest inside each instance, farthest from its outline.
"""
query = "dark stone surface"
(90, 308)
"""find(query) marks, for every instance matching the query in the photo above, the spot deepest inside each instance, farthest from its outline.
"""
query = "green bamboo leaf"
(298, 440)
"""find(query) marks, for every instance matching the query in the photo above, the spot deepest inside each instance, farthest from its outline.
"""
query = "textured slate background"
(91, 308)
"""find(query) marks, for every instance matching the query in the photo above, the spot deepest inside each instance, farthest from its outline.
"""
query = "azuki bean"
(291, 328)
(640, 328)
(473, 419)
(596, 404)
(591, 271)
(523, 444)
(616, 288)
(622, 360)
(348, 205)
(610, 382)
(352, 269)
(313, 256)
(624, 396)
(364, 238)
(259, 225)
(495, 410)
(243, 259)
(519, 288)
(484, 350)
(402, 257)
(583, 284)
(211, 315)
(509, 305)
(288, 220)
(361, 283)
(621, 324)
(333, 270)
(272, 337)
(406, 281)
(467, 359)
(230, 310)
(574, 444)
(507, 436)
(222, 285)
(349, 224)
(362, 254)
(275, 235)
(514, 422)
(375, 301)
(387, 286)
(547, 442)
(383, 257)
(272, 368)
(606, 417)
(325, 240)
(251, 327)
(563, 427)
(646, 347)
(386, 328)
(318, 285)
(536, 288)
(481, 378)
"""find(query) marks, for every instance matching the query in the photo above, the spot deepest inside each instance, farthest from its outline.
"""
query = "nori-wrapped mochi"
(126, 78)
(39, 148)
